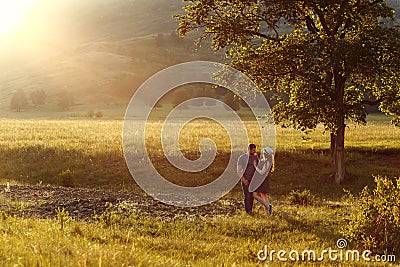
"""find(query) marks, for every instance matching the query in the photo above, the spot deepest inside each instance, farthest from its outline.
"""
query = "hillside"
(99, 51)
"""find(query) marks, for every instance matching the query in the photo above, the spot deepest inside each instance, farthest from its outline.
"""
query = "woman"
(266, 162)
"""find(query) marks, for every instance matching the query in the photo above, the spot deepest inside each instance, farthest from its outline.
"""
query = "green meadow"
(36, 152)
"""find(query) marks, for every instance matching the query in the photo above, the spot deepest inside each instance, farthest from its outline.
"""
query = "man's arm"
(240, 172)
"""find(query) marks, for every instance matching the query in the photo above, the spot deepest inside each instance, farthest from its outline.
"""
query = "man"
(245, 170)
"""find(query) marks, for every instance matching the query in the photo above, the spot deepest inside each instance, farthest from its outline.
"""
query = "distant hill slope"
(100, 50)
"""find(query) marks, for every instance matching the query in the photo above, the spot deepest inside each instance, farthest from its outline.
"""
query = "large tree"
(325, 60)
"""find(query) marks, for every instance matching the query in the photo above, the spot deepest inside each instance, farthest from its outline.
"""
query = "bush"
(375, 223)
(295, 197)
(121, 214)
(99, 114)
(90, 114)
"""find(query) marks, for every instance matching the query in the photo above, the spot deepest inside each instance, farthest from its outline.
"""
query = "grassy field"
(40, 151)
(138, 240)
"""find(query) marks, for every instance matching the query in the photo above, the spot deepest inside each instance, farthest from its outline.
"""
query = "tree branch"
(321, 18)
(339, 16)
(346, 25)
(261, 18)
(311, 25)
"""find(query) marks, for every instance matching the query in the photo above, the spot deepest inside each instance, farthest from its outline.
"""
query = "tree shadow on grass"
(319, 228)
(312, 170)
(65, 167)
(307, 169)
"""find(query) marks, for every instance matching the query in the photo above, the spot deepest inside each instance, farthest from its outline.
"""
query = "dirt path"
(42, 202)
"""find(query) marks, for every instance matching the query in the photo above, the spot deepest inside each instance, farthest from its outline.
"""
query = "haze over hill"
(53, 26)
(98, 50)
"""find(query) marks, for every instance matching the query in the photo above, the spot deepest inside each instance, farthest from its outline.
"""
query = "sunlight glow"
(12, 14)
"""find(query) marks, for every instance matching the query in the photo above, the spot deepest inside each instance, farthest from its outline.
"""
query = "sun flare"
(12, 14)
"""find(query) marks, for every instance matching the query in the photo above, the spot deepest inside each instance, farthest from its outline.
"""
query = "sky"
(34, 29)
(12, 14)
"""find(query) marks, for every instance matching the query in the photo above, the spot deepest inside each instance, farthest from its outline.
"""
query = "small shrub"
(99, 114)
(67, 178)
(121, 214)
(375, 223)
(90, 114)
(296, 197)
(62, 217)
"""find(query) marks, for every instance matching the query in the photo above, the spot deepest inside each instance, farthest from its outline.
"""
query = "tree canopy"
(325, 60)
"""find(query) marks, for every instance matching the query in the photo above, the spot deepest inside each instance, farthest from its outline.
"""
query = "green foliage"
(375, 221)
(333, 53)
(335, 58)
(297, 197)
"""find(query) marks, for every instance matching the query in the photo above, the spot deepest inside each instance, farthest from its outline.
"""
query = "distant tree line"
(21, 101)
(178, 96)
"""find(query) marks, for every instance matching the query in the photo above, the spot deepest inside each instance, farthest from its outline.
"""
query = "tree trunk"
(340, 171)
(338, 139)
(332, 149)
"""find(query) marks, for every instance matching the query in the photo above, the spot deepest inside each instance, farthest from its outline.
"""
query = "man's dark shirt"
(247, 165)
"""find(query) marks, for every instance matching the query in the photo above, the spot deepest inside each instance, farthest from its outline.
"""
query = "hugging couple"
(253, 174)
